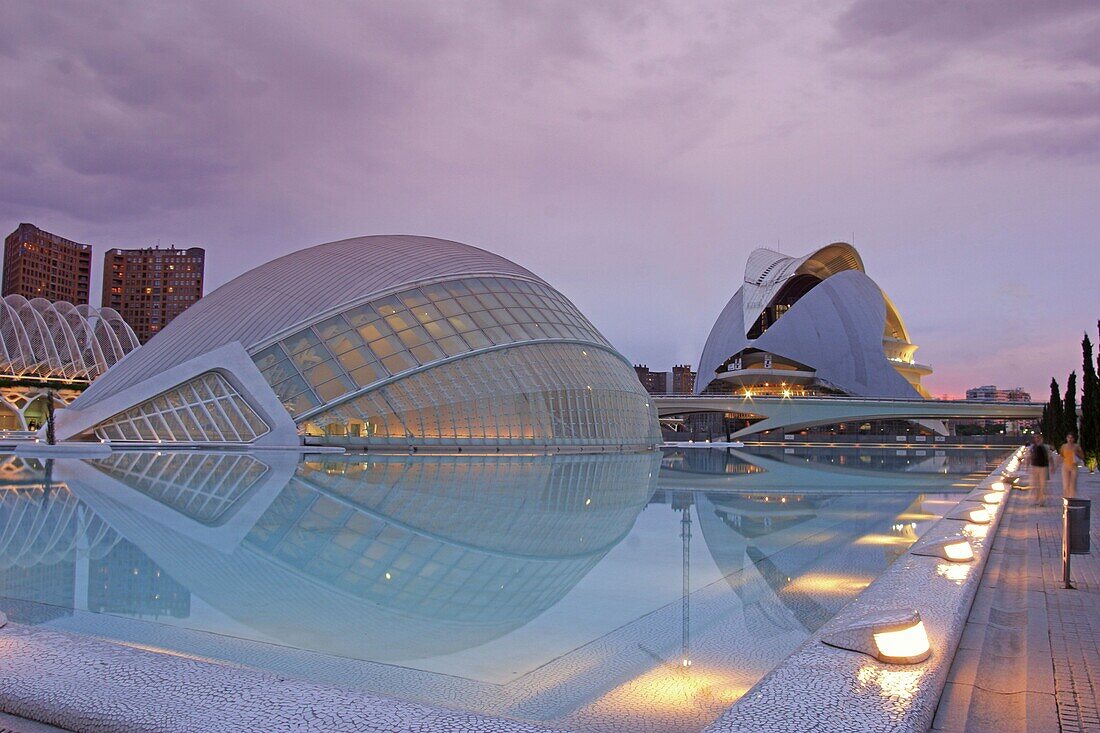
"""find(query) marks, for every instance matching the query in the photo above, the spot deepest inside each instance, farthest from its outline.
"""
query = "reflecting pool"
(641, 591)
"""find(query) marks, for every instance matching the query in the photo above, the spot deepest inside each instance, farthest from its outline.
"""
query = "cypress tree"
(1069, 409)
(1090, 404)
(1052, 417)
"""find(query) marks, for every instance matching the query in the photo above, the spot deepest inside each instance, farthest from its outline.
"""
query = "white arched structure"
(59, 340)
(813, 324)
(57, 347)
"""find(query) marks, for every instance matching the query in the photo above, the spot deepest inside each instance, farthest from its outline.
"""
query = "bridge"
(796, 413)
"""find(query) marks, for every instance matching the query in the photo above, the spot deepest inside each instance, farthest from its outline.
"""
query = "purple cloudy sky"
(631, 153)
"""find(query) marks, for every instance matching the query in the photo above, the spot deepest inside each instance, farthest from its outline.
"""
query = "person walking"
(1038, 460)
(1070, 453)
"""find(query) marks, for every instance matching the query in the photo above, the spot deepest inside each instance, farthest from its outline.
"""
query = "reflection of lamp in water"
(894, 637)
(954, 550)
(683, 503)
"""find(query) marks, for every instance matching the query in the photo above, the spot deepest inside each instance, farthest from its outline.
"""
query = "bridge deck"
(800, 412)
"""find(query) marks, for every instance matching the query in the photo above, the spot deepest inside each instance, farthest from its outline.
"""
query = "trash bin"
(1077, 513)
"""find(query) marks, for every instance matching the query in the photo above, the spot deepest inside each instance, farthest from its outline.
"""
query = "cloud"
(987, 66)
(653, 139)
(1068, 103)
(955, 25)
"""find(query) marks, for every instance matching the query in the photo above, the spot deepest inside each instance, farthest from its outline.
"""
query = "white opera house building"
(810, 326)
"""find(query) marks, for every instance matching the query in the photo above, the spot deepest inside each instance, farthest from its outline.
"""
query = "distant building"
(683, 379)
(990, 393)
(810, 325)
(38, 264)
(151, 286)
(654, 382)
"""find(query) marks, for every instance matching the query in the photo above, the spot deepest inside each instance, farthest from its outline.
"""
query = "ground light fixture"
(974, 515)
(893, 637)
(989, 497)
(956, 549)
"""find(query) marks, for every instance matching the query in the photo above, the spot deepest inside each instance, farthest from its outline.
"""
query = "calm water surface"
(637, 592)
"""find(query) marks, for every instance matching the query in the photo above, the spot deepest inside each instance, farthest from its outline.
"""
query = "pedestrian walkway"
(1074, 620)
(1029, 657)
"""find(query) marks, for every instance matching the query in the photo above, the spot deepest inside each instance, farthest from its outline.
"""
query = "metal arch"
(47, 339)
(47, 362)
(106, 340)
(55, 314)
(127, 339)
(63, 338)
(14, 340)
(83, 326)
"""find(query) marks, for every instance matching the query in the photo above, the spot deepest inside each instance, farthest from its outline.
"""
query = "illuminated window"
(413, 328)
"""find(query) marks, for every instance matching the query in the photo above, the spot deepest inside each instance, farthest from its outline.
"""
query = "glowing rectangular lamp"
(953, 550)
(960, 551)
(980, 516)
(906, 645)
(895, 637)
(977, 515)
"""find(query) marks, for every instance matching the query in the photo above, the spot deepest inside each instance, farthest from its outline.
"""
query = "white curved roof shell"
(295, 288)
(388, 339)
(838, 327)
(766, 271)
(57, 340)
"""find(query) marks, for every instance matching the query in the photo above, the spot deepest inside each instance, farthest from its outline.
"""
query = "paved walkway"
(1029, 658)
(12, 724)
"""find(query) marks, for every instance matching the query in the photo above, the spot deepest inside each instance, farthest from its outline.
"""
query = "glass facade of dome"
(392, 340)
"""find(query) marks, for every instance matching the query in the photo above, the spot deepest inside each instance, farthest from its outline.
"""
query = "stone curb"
(86, 684)
(824, 688)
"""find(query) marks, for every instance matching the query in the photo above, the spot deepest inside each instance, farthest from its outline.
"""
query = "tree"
(1090, 404)
(1052, 415)
(1069, 409)
(50, 439)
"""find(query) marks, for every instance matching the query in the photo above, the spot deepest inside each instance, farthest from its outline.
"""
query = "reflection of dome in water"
(394, 558)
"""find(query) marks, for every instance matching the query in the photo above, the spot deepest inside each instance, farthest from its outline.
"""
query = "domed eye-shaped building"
(400, 340)
(810, 325)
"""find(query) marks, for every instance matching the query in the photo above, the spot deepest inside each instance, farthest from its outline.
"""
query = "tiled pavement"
(1074, 617)
(12, 724)
(1029, 658)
